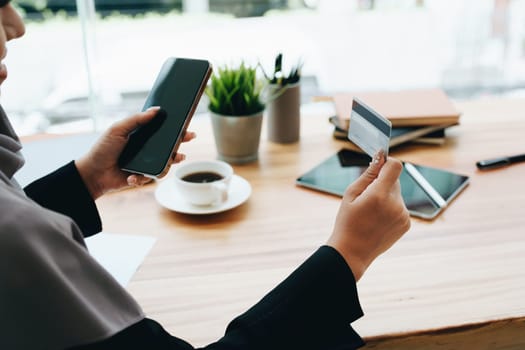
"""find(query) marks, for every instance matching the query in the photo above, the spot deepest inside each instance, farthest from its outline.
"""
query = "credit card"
(368, 129)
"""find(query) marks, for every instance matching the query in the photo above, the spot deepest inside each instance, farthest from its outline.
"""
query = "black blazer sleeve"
(64, 191)
(310, 310)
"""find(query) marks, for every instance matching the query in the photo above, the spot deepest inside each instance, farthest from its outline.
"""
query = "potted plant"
(283, 108)
(236, 109)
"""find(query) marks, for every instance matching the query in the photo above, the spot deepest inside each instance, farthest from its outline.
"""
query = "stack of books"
(420, 115)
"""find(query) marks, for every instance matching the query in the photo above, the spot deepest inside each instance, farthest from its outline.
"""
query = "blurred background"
(84, 64)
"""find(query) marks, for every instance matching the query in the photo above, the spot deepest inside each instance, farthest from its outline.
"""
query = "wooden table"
(456, 282)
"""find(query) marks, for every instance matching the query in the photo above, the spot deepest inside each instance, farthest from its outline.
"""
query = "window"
(467, 47)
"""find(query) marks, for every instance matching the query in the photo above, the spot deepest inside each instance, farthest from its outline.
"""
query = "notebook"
(429, 134)
(402, 108)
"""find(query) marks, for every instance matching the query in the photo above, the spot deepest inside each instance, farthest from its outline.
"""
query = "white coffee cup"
(203, 183)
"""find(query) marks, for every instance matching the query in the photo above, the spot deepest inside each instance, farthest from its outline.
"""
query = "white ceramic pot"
(237, 137)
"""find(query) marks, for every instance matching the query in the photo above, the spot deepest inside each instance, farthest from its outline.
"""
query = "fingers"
(126, 126)
(389, 174)
(137, 180)
(371, 173)
(178, 157)
(188, 136)
(396, 189)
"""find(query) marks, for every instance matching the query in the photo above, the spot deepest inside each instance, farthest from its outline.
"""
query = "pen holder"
(284, 113)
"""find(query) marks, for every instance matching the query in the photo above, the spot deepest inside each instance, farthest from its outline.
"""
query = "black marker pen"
(499, 162)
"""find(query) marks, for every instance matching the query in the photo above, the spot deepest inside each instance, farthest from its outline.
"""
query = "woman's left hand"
(99, 167)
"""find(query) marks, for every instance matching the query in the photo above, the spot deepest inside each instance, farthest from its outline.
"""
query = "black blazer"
(310, 309)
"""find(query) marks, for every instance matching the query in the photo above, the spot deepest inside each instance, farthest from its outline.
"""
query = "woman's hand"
(372, 215)
(99, 167)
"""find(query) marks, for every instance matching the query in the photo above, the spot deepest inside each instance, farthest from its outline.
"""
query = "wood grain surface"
(455, 282)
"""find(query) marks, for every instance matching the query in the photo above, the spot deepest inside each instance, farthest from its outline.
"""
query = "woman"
(54, 295)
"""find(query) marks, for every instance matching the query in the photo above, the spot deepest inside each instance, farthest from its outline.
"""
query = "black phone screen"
(334, 174)
(176, 91)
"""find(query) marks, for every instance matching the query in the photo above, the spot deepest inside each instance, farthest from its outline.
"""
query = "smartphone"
(177, 91)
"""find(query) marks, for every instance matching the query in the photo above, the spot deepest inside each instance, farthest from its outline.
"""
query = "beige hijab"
(53, 294)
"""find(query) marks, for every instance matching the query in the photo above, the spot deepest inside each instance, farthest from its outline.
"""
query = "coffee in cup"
(203, 183)
(202, 177)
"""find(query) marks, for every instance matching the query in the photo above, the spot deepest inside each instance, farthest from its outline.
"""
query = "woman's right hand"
(372, 215)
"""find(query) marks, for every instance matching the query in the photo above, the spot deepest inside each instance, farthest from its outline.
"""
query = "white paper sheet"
(120, 254)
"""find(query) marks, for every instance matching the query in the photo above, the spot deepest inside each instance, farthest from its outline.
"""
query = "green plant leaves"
(235, 90)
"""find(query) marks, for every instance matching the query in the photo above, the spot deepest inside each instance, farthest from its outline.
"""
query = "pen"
(499, 162)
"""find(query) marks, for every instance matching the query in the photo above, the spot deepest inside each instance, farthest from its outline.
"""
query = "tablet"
(334, 174)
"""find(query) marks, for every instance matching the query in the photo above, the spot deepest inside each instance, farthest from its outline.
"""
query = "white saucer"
(169, 197)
